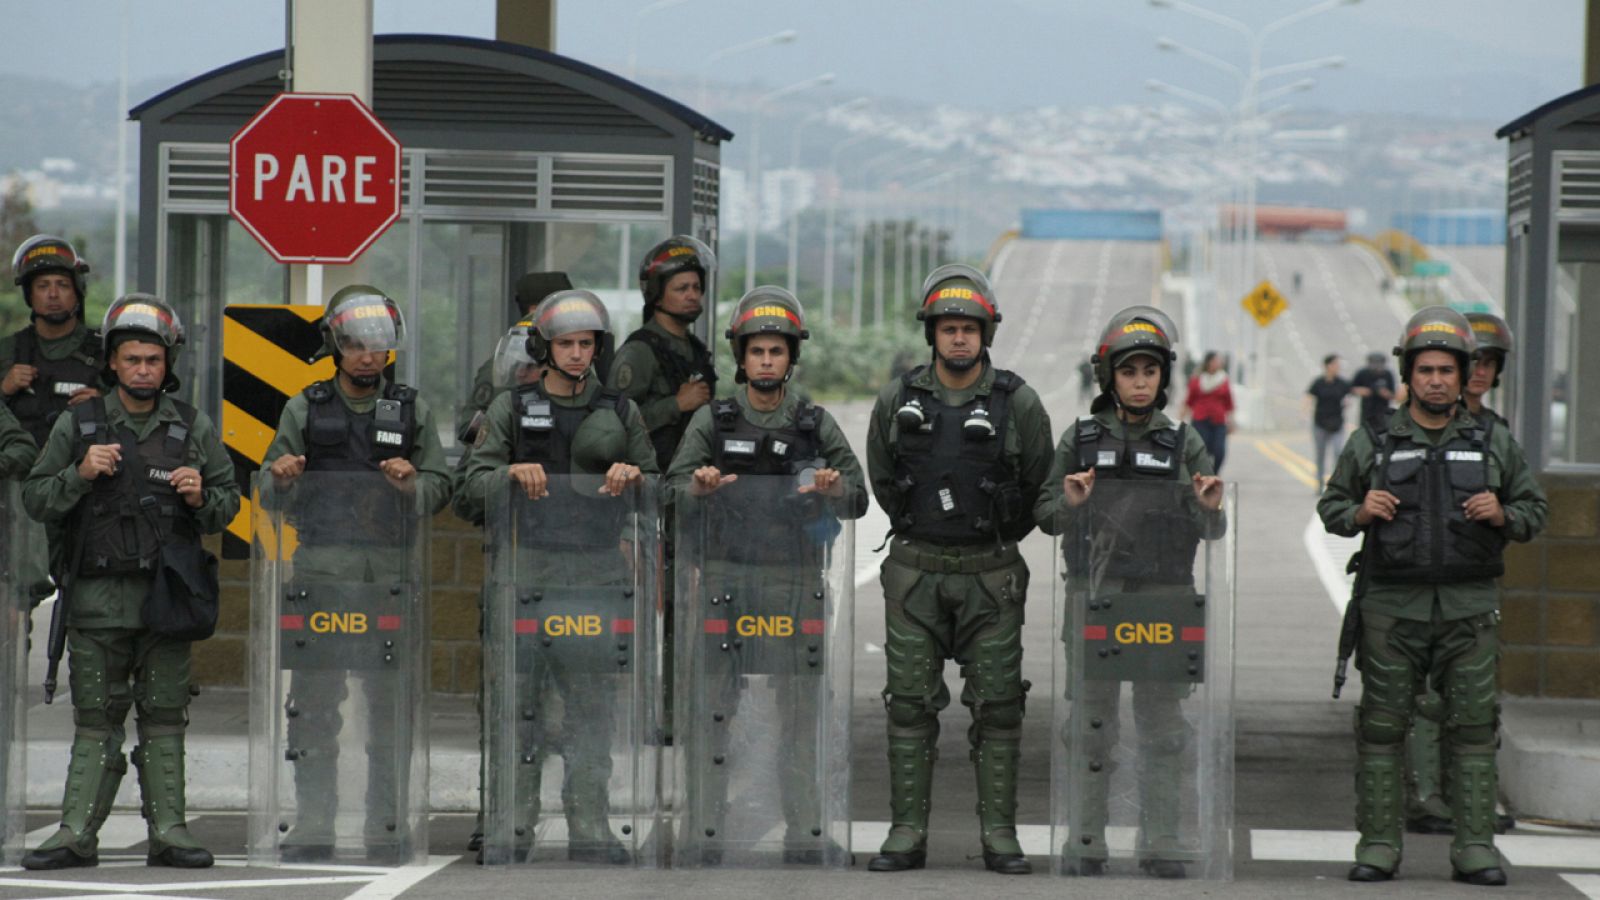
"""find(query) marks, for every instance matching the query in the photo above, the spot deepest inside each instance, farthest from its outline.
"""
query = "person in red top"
(1208, 403)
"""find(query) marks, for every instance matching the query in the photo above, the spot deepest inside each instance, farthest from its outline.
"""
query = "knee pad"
(909, 714)
(1377, 725)
(1001, 719)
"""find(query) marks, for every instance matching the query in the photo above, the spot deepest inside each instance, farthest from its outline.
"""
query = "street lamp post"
(1249, 104)
(828, 248)
(787, 36)
(794, 215)
(753, 190)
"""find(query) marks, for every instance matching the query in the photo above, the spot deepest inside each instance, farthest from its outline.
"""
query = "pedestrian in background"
(1376, 386)
(1325, 398)
(1209, 405)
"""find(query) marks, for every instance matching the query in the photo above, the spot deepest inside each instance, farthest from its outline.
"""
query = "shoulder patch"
(624, 377)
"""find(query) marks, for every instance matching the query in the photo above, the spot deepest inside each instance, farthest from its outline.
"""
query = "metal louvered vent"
(456, 180)
(196, 174)
(707, 189)
(621, 184)
(1577, 186)
(461, 96)
(1519, 184)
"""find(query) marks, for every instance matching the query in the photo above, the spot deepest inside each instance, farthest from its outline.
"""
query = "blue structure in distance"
(1092, 224)
(1454, 227)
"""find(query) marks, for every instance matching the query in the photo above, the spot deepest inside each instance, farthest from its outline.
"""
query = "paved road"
(1477, 274)
(1294, 752)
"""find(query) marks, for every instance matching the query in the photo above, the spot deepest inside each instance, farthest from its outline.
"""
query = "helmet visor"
(512, 363)
(366, 324)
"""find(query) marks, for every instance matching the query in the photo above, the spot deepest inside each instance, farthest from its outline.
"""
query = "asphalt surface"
(1294, 751)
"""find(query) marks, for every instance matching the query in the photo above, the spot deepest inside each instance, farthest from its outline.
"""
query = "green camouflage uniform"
(316, 695)
(587, 699)
(115, 663)
(1443, 635)
(1158, 717)
(963, 602)
(781, 588)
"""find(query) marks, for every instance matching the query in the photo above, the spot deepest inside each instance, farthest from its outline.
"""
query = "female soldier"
(1138, 537)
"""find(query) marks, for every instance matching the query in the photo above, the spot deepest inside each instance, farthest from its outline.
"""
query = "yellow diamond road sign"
(1264, 303)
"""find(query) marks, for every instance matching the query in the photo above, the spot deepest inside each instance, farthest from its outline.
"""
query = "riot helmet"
(1136, 330)
(535, 286)
(511, 356)
(767, 310)
(142, 317)
(681, 253)
(1436, 328)
(44, 253)
(958, 290)
(1492, 335)
(563, 313)
(361, 319)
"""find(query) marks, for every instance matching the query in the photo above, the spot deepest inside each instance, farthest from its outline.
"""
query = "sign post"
(315, 178)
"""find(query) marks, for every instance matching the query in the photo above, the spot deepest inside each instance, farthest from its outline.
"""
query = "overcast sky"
(1484, 59)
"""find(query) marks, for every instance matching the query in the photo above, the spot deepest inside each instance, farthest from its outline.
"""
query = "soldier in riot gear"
(662, 366)
(957, 452)
(1427, 810)
(1439, 495)
(55, 361)
(773, 566)
(356, 422)
(1127, 437)
(126, 473)
(566, 423)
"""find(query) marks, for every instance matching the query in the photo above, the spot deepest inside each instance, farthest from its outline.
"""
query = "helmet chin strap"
(575, 379)
(768, 385)
(1437, 409)
(56, 318)
(362, 381)
(685, 318)
(139, 393)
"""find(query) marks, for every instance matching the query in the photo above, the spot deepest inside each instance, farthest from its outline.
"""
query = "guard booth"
(515, 160)
(1551, 394)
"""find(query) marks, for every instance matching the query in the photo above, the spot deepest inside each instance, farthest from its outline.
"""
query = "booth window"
(1574, 375)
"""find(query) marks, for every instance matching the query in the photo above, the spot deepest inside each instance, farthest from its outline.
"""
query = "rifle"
(1350, 628)
(65, 581)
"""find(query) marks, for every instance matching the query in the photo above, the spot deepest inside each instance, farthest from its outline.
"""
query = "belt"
(954, 560)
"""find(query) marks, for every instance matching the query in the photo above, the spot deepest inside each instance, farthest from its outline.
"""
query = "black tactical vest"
(565, 518)
(766, 520)
(38, 406)
(120, 536)
(1431, 540)
(1145, 535)
(340, 440)
(677, 370)
(956, 489)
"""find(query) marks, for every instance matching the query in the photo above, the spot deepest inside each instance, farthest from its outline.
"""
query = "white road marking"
(1328, 554)
(1587, 885)
(1272, 845)
(398, 881)
(1550, 851)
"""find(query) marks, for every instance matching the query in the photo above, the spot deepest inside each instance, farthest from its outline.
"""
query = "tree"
(17, 224)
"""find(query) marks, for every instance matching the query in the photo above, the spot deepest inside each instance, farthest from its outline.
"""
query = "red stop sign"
(315, 177)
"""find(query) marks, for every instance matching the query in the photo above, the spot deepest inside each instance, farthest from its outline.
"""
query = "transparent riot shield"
(15, 528)
(765, 614)
(571, 663)
(1142, 764)
(339, 671)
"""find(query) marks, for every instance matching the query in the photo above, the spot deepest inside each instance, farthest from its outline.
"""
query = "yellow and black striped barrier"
(264, 353)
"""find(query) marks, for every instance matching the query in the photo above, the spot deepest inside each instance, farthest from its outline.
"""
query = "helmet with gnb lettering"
(766, 310)
(361, 319)
(958, 290)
